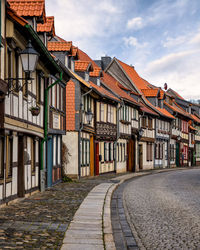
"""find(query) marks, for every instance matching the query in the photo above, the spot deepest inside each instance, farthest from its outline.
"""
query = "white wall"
(71, 141)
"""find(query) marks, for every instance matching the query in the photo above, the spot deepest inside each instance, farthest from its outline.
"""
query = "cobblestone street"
(40, 221)
(164, 210)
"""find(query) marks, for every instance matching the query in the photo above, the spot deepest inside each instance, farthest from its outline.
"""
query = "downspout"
(46, 92)
(79, 135)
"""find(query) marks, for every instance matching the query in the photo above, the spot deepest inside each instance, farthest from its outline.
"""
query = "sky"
(160, 38)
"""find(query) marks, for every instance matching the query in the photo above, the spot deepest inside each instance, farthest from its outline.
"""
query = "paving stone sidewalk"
(40, 221)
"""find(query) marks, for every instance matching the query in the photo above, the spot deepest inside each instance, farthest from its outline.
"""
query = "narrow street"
(164, 210)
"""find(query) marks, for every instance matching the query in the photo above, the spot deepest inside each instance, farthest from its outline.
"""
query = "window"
(33, 154)
(118, 152)
(144, 122)
(58, 96)
(54, 150)
(185, 152)
(121, 156)
(61, 99)
(158, 151)
(198, 150)
(101, 112)
(149, 152)
(150, 123)
(124, 152)
(1, 157)
(85, 152)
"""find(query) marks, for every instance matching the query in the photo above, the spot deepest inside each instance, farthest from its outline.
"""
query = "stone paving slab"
(41, 220)
(83, 219)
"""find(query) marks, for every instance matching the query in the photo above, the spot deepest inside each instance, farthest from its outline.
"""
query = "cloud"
(179, 70)
(135, 23)
(173, 42)
(133, 42)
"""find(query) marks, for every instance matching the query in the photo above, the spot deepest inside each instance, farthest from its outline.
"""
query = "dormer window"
(86, 76)
(98, 81)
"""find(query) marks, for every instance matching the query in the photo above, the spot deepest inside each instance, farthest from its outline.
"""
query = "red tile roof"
(195, 118)
(150, 92)
(147, 110)
(104, 92)
(74, 51)
(96, 72)
(59, 46)
(48, 26)
(175, 108)
(112, 83)
(173, 92)
(16, 17)
(83, 66)
(84, 57)
(70, 106)
(133, 75)
(28, 7)
(165, 112)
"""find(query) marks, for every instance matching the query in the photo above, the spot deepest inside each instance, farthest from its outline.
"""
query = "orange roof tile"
(165, 112)
(112, 83)
(175, 93)
(28, 7)
(145, 109)
(104, 92)
(48, 26)
(175, 108)
(96, 72)
(150, 92)
(74, 51)
(70, 106)
(16, 17)
(133, 75)
(195, 118)
(59, 46)
(82, 66)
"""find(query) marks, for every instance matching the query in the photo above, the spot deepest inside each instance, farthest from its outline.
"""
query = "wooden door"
(140, 157)
(177, 154)
(97, 158)
(131, 157)
(92, 155)
(21, 181)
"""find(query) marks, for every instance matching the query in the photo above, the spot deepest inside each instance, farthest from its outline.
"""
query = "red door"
(97, 158)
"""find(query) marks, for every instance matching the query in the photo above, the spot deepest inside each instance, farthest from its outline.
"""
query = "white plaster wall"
(7, 105)
(37, 176)
(121, 166)
(147, 164)
(8, 189)
(14, 181)
(1, 192)
(71, 141)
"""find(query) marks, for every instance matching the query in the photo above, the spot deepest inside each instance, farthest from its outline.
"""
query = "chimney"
(105, 61)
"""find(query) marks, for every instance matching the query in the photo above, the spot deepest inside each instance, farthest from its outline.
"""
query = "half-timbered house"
(22, 127)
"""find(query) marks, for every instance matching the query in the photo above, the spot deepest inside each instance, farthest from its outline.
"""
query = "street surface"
(40, 221)
(164, 209)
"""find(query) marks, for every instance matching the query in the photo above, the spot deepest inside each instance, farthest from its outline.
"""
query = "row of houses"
(71, 115)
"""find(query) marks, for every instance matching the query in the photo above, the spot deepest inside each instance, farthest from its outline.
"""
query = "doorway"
(140, 157)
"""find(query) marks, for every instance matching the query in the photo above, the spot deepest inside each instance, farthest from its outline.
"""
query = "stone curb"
(108, 238)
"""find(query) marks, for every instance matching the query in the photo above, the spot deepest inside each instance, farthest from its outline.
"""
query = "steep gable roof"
(133, 75)
(112, 83)
(174, 93)
(195, 118)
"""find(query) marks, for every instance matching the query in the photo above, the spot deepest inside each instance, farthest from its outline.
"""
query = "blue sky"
(160, 38)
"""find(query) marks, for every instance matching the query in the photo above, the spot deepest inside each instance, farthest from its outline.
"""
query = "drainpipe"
(79, 135)
(46, 92)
